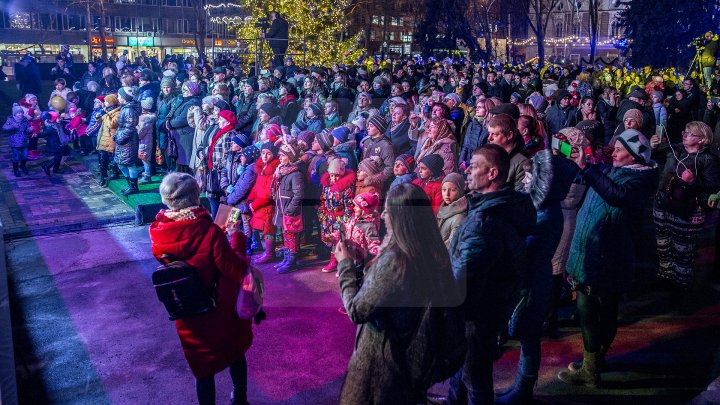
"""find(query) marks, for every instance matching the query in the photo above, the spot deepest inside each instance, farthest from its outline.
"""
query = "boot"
(133, 189)
(255, 245)
(521, 392)
(289, 264)
(269, 254)
(46, 168)
(57, 169)
(16, 171)
(126, 189)
(588, 375)
(577, 365)
(284, 253)
(24, 168)
(146, 178)
(114, 173)
(331, 266)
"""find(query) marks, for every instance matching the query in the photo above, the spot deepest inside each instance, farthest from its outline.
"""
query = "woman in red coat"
(261, 200)
(217, 339)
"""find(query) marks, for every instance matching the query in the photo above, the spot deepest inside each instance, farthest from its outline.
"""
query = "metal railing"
(260, 53)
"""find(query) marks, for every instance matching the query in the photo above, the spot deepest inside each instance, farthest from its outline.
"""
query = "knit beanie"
(228, 116)
(273, 132)
(100, 99)
(128, 93)
(316, 109)
(634, 114)
(325, 140)
(658, 94)
(147, 103)
(307, 137)
(360, 122)
(168, 81)
(407, 160)
(290, 151)
(51, 116)
(242, 140)
(270, 109)
(435, 163)
(17, 109)
(379, 122)
(111, 99)
(221, 105)
(341, 134)
(336, 165)
(371, 165)
(636, 143)
(251, 153)
(192, 88)
(593, 130)
(271, 147)
(366, 95)
(458, 180)
(211, 100)
(368, 202)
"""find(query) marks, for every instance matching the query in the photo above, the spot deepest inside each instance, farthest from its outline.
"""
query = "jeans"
(130, 172)
(473, 384)
(147, 167)
(19, 154)
(541, 246)
(598, 320)
(214, 204)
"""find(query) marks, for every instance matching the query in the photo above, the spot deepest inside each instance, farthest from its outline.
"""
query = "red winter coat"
(261, 197)
(433, 189)
(219, 338)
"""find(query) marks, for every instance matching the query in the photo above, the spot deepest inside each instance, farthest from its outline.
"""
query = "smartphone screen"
(566, 149)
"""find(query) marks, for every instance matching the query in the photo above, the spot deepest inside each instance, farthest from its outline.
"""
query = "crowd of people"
(501, 183)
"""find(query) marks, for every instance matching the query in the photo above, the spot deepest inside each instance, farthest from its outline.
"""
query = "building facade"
(568, 33)
(158, 27)
(386, 28)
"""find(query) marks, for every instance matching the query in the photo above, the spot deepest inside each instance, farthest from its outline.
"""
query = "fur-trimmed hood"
(347, 180)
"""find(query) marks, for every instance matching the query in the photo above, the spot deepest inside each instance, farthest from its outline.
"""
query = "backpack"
(250, 298)
(180, 289)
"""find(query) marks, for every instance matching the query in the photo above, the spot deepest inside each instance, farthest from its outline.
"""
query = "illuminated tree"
(317, 28)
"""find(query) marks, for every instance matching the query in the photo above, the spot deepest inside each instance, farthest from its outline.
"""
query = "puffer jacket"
(558, 118)
(449, 217)
(487, 252)
(242, 185)
(146, 135)
(433, 189)
(246, 113)
(18, 131)
(260, 198)
(472, 140)
(55, 136)
(289, 192)
(106, 136)
(603, 250)
(126, 137)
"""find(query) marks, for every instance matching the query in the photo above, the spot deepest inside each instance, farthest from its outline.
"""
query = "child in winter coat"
(237, 181)
(106, 142)
(94, 121)
(362, 231)
(76, 127)
(344, 146)
(261, 202)
(18, 128)
(57, 141)
(289, 190)
(60, 90)
(404, 170)
(430, 175)
(368, 169)
(29, 104)
(454, 206)
(336, 204)
(146, 134)
(331, 114)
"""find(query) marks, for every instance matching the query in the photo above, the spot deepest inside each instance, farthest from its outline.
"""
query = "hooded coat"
(181, 129)
(290, 190)
(106, 136)
(449, 217)
(487, 252)
(146, 134)
(336, 204)
(215, 340)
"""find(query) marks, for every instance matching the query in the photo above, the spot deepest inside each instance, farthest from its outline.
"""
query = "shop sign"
(108, 41)
(218, 42)
(231, 42)
(187, 41)
(141, 41)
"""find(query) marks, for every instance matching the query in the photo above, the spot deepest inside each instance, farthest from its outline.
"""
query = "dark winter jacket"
(399, 137)
(18, 132)
(487, 251)
(150, 90)
(558, 118)
(165, 105)
(243, 185)
(648, 127)
(607, 114)
(246, 113)
(603, 250)
(290, 190)
(471, 141)
(56, 138)
(182, 130)
(382, 148)
(126, 137)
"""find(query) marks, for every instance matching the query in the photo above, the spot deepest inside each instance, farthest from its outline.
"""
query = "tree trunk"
(103, 45)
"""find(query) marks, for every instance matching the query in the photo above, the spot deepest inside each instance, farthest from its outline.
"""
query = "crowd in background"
(535, 182)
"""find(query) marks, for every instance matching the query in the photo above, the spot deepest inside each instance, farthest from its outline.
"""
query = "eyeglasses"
(688, 134)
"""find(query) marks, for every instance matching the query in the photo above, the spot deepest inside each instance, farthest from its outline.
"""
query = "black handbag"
(677, 199)
(180, 289)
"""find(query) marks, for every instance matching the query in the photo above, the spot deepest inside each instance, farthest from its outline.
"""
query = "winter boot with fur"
(269, 254)
(588, 375)
(331, 266)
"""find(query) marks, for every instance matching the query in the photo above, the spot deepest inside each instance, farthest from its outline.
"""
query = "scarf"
(219, 134)
(184, 214)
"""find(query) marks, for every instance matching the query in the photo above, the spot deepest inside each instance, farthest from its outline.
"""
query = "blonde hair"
(702, 129)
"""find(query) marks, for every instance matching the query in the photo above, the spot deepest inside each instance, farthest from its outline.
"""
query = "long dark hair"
(416, 241)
